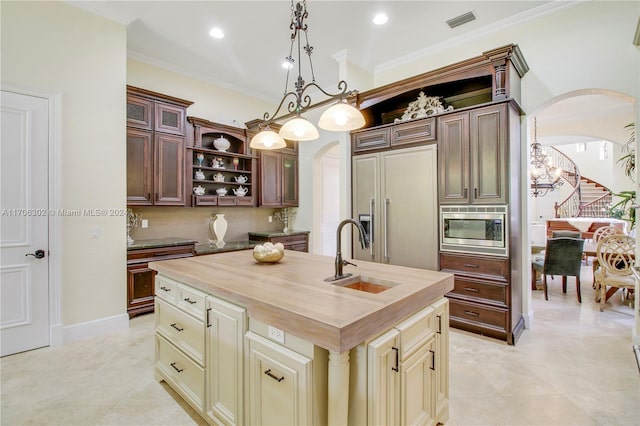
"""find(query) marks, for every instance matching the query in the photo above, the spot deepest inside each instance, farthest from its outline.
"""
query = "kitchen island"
(317, 324)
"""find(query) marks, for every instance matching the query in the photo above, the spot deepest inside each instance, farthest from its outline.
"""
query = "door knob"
(39, 254)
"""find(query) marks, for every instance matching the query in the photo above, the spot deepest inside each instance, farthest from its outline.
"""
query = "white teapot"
(241, 191)
(199, 175)
(198, 190)
(218, 177)
(241, 179)
(221, 192)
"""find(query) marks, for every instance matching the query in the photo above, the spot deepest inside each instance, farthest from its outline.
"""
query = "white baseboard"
(528, 320)
(56, 336)
(75, 332)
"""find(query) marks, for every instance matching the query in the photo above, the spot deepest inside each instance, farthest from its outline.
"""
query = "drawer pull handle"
(273, 376)
(179, 370)
(208, 313)
(471, 265)
(397, 359)
(433, 360)
(439, 324)
(162, 253)
(473, 314)
(193, 302)
(471, 289)
(165, 288)
(176, 327)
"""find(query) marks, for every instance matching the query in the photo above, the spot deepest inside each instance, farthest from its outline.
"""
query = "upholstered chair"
(563, 257)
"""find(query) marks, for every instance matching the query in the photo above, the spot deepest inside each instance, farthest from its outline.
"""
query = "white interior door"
(24, 239)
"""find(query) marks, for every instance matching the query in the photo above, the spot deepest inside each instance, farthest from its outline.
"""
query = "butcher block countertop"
(293, 296)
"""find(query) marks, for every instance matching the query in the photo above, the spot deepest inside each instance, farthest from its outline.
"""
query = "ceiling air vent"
(462, 19)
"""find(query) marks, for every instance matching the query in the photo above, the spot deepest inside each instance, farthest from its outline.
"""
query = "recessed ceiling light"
(216, 33)
(380, 19)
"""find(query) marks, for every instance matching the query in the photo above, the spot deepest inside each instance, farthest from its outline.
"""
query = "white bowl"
(221, 144)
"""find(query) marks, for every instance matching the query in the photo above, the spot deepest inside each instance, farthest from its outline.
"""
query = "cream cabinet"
(226, 327)
(180, 339)
(200, 350)
(406, 372)
(280, 384)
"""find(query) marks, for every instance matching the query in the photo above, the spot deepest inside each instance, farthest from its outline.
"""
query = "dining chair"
(616, 255)
(563, 257)
(599, 234)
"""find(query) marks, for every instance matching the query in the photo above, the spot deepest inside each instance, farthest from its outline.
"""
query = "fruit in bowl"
(268, 252)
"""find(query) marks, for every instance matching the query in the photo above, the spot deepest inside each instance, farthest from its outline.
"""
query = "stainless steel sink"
(366, 284)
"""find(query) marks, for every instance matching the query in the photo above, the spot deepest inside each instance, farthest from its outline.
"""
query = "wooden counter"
(293, 296)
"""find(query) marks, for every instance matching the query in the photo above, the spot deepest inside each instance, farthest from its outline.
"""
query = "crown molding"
(546, 9)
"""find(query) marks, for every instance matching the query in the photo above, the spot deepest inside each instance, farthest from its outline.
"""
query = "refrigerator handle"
(386, 234)
(371, 226)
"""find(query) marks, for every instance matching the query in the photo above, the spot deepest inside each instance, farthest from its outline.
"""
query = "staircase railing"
(570, 206)
(600, 206)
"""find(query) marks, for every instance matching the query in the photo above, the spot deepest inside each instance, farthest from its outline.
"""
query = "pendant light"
(340, 117)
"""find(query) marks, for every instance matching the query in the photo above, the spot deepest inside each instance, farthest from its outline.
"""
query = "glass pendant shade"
(299, 129)
(267, 139)
(341, 117)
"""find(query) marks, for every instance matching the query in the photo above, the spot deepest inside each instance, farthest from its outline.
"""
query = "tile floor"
(574, 367)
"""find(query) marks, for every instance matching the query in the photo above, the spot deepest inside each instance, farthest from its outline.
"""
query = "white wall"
(584, 45)
(210, 102)
(60, 49)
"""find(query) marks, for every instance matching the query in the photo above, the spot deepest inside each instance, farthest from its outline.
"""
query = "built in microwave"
(471, 229)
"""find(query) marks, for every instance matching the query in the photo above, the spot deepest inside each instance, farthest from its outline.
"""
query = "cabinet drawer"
(289, 240)
(184, 331)
(159, 253)
(166, 289)
(371, 140)
(192, 301)
(414, 331)
(480, 291)
(478, 318)
(492, 267)
(414, 132)
(183, 374)
(226, 201)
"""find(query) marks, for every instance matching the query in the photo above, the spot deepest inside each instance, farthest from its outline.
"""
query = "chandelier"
(545, 176)
(340, 117)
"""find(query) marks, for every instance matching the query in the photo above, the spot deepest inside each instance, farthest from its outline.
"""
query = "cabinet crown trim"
(132, 90)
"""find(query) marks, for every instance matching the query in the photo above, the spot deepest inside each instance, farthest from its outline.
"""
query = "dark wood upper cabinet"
(453, 158)
(140, 167)
(155, 148)
(473, 156)
(488, 149)
(278, 179)
(169, 118)
(169, 170)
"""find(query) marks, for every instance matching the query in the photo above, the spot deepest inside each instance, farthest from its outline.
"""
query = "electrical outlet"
(276, 334)
(95, 232)
(270, 219)
(144, 223)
